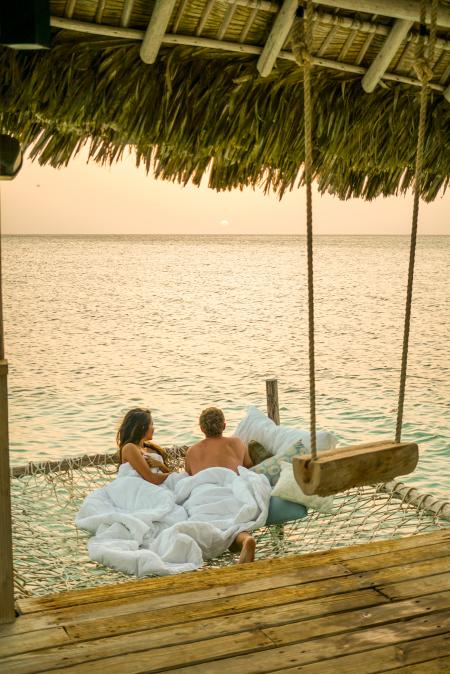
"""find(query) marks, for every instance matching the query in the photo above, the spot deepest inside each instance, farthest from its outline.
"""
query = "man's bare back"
(218, 452)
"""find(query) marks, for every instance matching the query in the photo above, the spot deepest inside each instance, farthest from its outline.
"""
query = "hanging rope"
(424, 61)
(301, 43)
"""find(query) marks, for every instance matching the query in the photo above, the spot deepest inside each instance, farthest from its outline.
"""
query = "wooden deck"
(371, 608)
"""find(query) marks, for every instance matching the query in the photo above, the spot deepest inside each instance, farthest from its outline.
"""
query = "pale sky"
(89, 199)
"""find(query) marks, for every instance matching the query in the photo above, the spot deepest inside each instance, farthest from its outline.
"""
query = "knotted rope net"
(50, 553)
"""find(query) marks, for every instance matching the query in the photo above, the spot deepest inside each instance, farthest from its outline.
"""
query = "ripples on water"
(96, 325)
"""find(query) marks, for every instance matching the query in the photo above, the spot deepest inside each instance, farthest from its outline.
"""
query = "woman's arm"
(133, 455)
(153, 463)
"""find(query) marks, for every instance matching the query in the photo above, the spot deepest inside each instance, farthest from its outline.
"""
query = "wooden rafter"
(69, 8)
(326, 43)
(248, 24)
(126, 13)
(445, 76)
(204, 17)
(100, 10)
(364, 48)
(348, 43)
(156, 30)
(179, 16)
(386, 54)
(401, 58)
(277, 37)
(226, 21)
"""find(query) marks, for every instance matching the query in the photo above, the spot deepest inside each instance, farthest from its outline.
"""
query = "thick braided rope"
(425, 61)
(309, 217)
(301, 44)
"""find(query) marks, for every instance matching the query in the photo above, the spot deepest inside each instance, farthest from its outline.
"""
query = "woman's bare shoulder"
(130, 448)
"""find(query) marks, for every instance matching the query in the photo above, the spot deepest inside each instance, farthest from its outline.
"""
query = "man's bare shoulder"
(195, 448)
(237, 442)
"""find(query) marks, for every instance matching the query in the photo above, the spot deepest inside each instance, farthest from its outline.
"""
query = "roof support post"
(156, 29)
(382, 60)
(7, 612)
(277, 37)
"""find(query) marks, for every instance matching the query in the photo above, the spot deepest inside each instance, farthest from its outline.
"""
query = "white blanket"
(144, 529)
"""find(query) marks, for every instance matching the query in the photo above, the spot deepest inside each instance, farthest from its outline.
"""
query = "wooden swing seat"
(340, 469)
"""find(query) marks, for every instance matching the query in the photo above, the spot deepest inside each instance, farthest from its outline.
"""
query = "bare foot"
(248, 551)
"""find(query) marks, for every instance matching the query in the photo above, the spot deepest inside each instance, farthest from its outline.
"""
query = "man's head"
(212, 422)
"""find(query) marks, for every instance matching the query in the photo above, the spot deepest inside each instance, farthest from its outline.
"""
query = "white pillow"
(276, 439)
(287, 488)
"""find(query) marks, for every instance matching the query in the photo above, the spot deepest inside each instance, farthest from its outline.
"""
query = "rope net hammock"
(50, 553)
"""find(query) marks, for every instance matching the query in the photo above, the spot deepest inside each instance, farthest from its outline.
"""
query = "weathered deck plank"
(234, 598)
(232, 626)
(253, 652)
(24, 643)
(236, 575)
(394, 659)
(154, 619)
(369, 609)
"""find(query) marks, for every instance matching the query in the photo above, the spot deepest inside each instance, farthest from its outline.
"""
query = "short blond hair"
(212, 422)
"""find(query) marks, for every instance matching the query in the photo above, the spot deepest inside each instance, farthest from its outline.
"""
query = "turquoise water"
(96, 325)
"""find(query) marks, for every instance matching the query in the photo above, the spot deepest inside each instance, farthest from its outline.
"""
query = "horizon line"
(211, 234)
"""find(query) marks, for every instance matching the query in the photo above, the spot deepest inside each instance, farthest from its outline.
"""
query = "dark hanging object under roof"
(10, 157)
(25, 24)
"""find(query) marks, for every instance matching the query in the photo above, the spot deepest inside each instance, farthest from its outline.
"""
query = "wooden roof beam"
(126, 13)
(226, 21)
(179, 16)
(205, 16)
(386, 54)
(277, 37)
(447, 94)
(69, 8)
(248, 24)
(156, 29)
(100, 10)
(397, 9)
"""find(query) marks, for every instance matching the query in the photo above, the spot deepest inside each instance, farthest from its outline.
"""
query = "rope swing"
(380, 461)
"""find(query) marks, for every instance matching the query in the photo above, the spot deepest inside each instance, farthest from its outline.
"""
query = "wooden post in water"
(273, 409)
(7, 613)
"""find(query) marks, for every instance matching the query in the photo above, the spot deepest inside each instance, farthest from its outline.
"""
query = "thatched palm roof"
(203, 105)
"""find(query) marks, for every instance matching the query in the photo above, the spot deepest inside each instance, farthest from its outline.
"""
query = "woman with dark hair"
(134, 439)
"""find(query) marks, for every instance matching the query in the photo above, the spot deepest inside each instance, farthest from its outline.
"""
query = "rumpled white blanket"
(144, 529)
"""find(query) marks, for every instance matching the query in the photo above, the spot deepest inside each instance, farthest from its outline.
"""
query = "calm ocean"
(96, 325)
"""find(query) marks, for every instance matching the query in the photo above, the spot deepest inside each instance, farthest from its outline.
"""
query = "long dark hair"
(133, 428)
